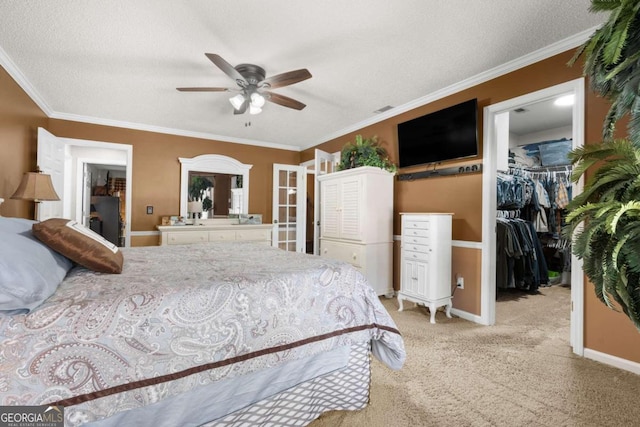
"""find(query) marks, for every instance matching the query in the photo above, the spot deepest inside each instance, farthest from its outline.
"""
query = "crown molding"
(15, 73)
(171, 131)
(526, 60)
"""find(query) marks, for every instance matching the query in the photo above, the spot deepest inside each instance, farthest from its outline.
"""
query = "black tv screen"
(450, 133)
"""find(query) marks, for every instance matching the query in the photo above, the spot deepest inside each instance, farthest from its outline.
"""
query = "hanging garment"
(520, 261)
(562, 197)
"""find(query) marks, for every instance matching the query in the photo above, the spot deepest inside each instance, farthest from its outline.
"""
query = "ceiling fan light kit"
(237, 101)
(253, 86)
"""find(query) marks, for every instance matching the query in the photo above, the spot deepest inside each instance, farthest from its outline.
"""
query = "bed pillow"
(30, 271)
(80, 244)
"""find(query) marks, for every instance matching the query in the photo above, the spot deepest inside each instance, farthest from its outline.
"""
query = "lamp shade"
(35, 186)
(237, 101)
(257, 100)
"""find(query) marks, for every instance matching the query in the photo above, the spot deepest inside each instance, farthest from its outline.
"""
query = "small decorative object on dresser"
(425, 275)
(356, 222)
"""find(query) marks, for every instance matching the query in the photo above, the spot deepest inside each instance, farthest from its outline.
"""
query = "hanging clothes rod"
(556, 168)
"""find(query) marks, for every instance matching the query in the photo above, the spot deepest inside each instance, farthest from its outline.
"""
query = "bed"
(216, 334)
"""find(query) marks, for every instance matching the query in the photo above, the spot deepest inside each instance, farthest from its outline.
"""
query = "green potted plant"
(198, 202)
(365, 152)
(609, 207)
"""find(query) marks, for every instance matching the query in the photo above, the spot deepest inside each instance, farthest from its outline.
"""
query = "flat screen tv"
(450, 133)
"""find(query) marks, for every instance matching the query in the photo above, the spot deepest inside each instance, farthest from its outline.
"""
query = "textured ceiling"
(119, 62)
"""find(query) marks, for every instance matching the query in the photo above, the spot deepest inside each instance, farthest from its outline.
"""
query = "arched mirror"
(213, 185)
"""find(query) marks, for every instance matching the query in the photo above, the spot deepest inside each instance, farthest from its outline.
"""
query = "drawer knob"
(355, 256)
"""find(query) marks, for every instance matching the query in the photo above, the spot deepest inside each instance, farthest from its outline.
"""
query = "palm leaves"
(609, 207)
(612, 56)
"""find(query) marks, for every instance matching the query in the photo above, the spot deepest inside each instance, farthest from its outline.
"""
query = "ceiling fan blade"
(288, 78)
(227, 68)
(202, 89)
(285, 101)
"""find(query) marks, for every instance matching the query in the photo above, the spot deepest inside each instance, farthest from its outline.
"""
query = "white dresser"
(187, 234)
(425, 258)
(356, 222)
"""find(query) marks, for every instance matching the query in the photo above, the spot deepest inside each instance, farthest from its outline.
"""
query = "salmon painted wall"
(605, 330)
(156, 169)
(20, 118)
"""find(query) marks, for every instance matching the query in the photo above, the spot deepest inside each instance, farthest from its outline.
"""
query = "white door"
(324, 163)
(51, 158)
(289, 207)
(86, 195)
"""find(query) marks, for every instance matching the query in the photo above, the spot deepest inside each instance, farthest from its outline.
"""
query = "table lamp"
(37, 187)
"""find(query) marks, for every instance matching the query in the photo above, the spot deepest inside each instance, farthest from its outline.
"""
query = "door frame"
(489, 205)
(317, 167)
(126, 148)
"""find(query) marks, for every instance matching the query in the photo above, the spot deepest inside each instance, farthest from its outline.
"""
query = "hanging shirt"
(543, 196)
(562, 198)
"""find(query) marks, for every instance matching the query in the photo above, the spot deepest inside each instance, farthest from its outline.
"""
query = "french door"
(289, 207)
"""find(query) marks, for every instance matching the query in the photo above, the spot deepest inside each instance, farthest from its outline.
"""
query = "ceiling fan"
(253, 87)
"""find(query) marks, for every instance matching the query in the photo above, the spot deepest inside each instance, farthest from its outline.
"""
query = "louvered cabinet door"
(351, 208)
(330, 211)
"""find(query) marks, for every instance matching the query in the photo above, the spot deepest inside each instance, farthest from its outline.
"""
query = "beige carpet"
(520, 372)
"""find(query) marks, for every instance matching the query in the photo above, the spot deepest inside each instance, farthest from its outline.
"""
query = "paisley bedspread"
(180, 317)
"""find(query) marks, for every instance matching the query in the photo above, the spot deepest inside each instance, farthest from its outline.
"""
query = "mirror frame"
(212, 163)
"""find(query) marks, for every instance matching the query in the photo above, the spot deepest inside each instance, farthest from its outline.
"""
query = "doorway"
(494, 153)
(102, 199)
(71, 155)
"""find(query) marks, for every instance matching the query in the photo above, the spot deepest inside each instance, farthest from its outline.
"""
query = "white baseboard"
(614, 361)
(144, 233)
(466, 315)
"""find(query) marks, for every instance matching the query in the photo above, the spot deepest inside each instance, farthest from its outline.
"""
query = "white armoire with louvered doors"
(356, 222)
(425, 261)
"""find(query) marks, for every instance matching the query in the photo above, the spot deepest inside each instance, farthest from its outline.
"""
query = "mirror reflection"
(214, 194)
(219, 183)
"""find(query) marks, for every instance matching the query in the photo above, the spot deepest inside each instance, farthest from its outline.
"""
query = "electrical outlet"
(460, 282)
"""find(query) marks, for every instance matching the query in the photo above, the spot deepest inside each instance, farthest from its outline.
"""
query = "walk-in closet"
(533, 190)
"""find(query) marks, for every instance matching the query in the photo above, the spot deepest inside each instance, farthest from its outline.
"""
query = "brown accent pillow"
(79, 244)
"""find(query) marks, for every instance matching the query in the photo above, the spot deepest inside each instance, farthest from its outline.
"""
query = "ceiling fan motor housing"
(253, 74)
